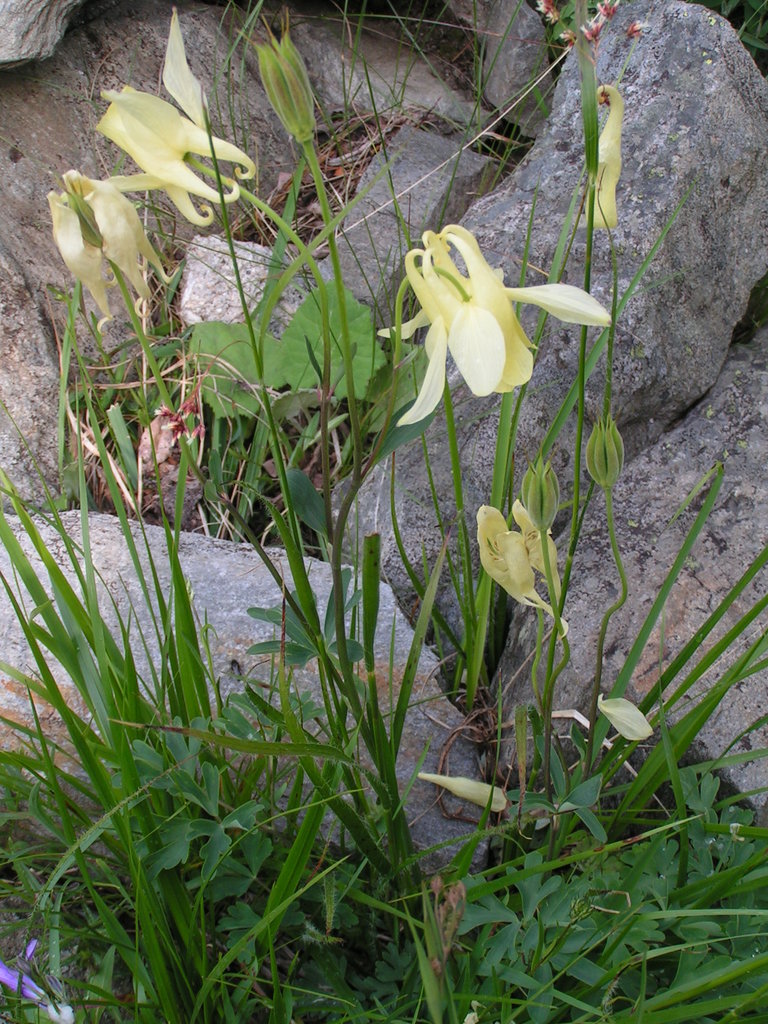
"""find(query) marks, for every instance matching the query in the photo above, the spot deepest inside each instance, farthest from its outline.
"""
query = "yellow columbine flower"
(626, 719)
(92, 220)
(609, 158)
(81, 257)
(159, 138)
(511, 556)
(473, 317)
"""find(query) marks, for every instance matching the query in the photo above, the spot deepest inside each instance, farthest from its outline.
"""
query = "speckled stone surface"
(694, 161)
(209, 291)
(30, 29)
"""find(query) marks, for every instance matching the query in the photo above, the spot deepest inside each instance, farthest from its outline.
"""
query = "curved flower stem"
(603, 630)
(548, 691)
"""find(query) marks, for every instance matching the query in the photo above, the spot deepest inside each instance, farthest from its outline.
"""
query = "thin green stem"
(471, 634)
(607, 393)
(335, 530)
(146, 348)
(603, 630)
(310, 155)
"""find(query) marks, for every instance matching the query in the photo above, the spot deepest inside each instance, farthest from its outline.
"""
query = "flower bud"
(541, 494)
(479, 793)
(285, 80)
(605, 453)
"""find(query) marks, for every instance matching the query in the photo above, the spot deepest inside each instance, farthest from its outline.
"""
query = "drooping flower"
(159, 138)
(473, 317)
(475, 792)
(627, 720)
(512, 557)
(609, 158)
(19, 982)
(92, 220)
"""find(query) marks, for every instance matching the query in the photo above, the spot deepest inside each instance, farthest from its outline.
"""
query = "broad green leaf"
(286, 362)
(227, 368)
(174, 851)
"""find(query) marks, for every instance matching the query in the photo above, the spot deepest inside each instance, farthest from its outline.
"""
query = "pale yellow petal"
(479, 793)
(431, 391)
(521, 517)
(569, 304)
(182, 201)
(407, 329)
(609, 160)
(158, 138)
(179, 80)
(122, 232)
(476, 343)
(503, 554)
(518, 365)
(436, 295)
(83, 261)
(519, 580)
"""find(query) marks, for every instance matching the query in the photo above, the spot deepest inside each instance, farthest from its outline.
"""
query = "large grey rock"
(29, 386)
(688, 82)
(728, 425)
(516, 76)
(30, 29)
(49, 114)
(432, 180)
(209, 289)
(382, 71)
(226, 579)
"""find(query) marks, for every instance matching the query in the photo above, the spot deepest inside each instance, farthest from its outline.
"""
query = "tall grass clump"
(171, 854)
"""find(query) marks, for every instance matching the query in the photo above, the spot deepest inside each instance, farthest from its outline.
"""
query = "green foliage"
(297, 647)
(192, 858)
(227, 365)
(297, 359)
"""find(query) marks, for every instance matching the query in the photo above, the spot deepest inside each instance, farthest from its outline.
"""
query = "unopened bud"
(479, 793)
(605, 453)
(541, 494)
(286, 83)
